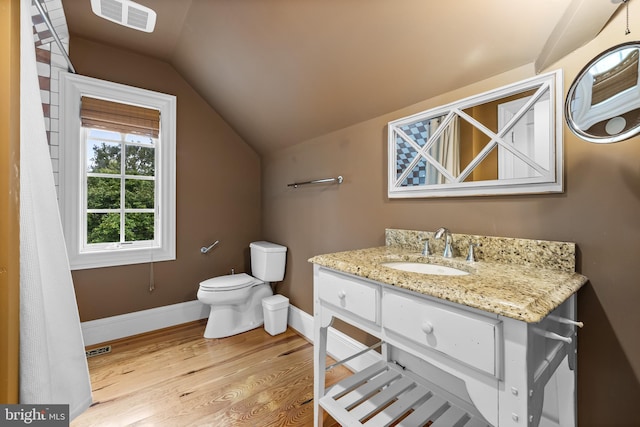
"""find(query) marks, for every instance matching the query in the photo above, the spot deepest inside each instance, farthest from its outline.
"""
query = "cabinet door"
(464, 336)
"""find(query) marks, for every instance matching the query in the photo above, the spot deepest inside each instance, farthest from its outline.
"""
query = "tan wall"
(599, 210)
(218, 194)
(10, 199)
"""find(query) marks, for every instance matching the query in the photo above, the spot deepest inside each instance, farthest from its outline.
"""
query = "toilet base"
(226, 320)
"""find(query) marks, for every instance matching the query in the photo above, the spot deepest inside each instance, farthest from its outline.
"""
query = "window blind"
(123, 118)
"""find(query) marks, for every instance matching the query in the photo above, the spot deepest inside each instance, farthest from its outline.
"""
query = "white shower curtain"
(53, 367)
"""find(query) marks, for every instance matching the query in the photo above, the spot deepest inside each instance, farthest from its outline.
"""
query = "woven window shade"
(123, 118)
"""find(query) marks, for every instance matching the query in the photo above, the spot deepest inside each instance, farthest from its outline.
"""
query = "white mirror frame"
(548, 180)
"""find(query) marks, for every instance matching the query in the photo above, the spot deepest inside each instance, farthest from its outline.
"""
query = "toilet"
(236, 299)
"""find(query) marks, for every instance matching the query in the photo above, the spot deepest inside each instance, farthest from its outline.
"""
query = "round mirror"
(603, 103)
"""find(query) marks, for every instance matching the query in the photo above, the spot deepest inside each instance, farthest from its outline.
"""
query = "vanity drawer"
(357, 297)
(465, 336)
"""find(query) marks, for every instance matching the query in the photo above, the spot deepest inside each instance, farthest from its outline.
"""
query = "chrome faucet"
(448, 253)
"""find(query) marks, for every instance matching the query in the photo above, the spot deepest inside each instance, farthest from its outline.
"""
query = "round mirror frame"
(575, 128)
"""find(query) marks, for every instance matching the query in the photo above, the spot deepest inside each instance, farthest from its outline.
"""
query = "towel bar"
(337, 180)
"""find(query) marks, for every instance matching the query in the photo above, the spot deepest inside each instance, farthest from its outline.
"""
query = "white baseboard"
(339, 345)
(125, 325)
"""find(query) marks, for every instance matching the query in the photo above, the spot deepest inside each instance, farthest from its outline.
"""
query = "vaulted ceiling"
(284, 71)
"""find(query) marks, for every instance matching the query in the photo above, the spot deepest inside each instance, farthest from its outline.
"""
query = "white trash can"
(276, 310)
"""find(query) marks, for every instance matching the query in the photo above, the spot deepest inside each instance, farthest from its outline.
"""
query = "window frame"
(72, 174)
(122, 177)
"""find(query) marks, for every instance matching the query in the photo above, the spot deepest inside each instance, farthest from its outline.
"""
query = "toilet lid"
(229, 282)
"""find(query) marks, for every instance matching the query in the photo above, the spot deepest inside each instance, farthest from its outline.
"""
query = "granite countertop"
(522, 292)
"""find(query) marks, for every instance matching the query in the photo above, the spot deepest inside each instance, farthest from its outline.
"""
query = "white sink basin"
(419, 267)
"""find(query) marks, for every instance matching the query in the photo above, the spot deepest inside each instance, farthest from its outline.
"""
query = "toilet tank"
(268, 261)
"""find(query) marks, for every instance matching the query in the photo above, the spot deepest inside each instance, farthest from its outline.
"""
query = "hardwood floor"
(177, 378)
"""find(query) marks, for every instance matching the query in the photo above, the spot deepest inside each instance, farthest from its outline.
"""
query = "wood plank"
(357, 379)
(366, 390)
(382, 399)
(178, 378)
(404, 403)
(433, 406)
(451, 417)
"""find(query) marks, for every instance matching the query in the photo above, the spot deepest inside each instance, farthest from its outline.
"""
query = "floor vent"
(98, 351)
(127, 13)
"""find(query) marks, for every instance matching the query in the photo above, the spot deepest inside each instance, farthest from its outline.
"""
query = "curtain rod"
(47, 22)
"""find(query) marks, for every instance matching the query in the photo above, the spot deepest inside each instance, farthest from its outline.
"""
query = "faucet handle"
(471, 256)
(426, 251)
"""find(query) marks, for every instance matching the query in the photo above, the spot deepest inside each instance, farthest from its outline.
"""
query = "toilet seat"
(229, 282)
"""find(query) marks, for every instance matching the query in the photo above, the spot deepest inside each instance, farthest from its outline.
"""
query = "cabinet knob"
(342, 294)
(427, 327)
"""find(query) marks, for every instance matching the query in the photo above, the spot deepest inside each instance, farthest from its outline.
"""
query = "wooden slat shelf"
(384, 394)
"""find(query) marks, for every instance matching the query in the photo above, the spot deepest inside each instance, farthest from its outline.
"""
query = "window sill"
(118, 257)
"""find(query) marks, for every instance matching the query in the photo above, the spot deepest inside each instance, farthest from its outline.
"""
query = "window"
(117, 176)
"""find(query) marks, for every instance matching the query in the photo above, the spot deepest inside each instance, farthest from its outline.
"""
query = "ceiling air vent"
(126, 12)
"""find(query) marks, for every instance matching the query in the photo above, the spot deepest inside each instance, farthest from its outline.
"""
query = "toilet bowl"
(236, 299)
(236, 304)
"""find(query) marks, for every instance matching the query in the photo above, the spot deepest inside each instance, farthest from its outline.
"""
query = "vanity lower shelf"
(385, 393)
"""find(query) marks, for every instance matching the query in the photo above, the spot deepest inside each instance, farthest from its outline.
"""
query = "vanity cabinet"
(443, 363)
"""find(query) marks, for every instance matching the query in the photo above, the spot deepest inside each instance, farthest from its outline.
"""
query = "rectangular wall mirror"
(505, 141)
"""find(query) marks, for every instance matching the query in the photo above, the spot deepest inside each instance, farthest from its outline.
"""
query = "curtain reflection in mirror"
(445, 150)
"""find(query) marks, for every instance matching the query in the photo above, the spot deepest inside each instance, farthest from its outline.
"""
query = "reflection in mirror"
(500, 142)
(603, 103)
(411, 168)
